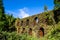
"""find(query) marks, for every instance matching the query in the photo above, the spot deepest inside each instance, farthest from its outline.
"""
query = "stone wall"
(35, 24)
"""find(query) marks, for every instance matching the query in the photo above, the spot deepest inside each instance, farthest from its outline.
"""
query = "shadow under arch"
(30, 31)
(35, 20)
(27, 22)
(41, 31)
(21, 23)
(23, 30)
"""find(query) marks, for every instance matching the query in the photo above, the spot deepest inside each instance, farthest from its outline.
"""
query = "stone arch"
(17, 22)
(27, 22)
(41, 31)
(36, 20)
(23, 30)
(18, 30)
(21, 23)
(30, 31)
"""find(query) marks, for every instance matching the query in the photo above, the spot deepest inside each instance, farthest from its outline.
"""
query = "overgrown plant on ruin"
(43, 26)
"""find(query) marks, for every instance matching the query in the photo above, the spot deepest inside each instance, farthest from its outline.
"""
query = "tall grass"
(54, 34)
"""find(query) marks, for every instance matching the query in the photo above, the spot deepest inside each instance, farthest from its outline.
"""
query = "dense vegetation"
(54, 34)
(6, 22)
(7, 26)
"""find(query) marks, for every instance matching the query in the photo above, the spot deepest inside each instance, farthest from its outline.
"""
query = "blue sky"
(25, 8)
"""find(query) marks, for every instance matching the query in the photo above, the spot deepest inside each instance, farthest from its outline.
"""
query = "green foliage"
(2, 22)
(9, 23)
(49, 18)
(57, 15)
(15, 36)
(54, 34)
(1, 6)
(1, 25)
(45, 8)
(57, 4)
(2, 16)
(57, 10)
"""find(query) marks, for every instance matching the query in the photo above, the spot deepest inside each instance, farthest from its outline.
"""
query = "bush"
(54, 34)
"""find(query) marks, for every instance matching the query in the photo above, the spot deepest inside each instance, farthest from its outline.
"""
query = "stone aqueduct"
(36, 23)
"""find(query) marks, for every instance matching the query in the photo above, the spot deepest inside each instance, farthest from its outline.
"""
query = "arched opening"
(41, 31)
(30, 31)
(35, 20)
(23, 30)
(17, 22)
(27, 22)
(18, 30)
(21, 23)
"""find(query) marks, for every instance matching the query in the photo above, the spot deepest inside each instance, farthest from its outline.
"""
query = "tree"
(45, 8)
(57, 4)
(1, 7)
(9, 23)
(2, 16)
(57, 10)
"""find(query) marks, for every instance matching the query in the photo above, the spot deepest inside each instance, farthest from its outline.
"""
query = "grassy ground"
(54, 34)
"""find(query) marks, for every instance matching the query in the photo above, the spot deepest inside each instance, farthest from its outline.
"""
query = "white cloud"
(23, 13)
